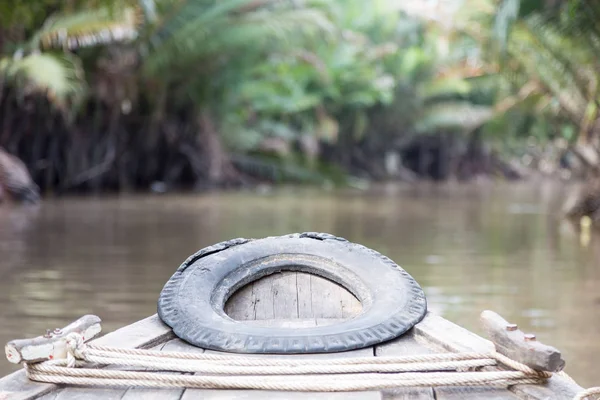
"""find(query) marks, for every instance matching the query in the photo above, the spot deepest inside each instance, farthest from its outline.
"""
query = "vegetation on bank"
(116, 95)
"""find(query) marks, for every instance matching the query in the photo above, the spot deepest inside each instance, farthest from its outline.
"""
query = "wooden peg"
(53, 344)
(516, 345)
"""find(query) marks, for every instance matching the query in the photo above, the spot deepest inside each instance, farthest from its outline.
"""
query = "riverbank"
(61, 164)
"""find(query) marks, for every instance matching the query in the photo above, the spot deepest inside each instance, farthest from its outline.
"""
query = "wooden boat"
(294, 299)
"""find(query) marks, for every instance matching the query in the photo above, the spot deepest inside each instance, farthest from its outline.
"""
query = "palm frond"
(506, 15)
(539, 61)
(278, 170)
(462, 116)
(58, 76)
(443, 88)
(199, 32)
(89, 27)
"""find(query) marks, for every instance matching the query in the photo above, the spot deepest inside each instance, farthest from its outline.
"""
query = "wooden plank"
(53, 344)
(351, 307)
(242, 304)
(408, 394)
(404, 345)
(291, 294)
(259, 394)
(49, 396)
(163, 394)
(295, 323)
(119, 393)
(146, 333)
(556, 388)
(326, 299)
(191, 394)
(131, 393)
(516, 345)
(321, 298)
(18, 387)
(472, 393)
(262, 293)
(438, 332)
(97, 393)
(292, 300)
(143, 334)
(264, 394)
(285, 295)
(304, 295)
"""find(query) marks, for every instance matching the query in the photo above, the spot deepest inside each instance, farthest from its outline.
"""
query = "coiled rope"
(214, 371)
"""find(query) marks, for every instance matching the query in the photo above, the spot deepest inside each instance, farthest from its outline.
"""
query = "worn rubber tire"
(192, 301)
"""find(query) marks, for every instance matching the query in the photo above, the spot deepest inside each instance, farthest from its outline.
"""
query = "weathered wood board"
(290, 295)
(146, 333)
(437, 332)
(163, 394)
(517, 345)
(294, 300)
(47, 346)
(405, 345)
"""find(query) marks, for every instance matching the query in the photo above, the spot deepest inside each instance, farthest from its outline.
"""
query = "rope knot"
(521, 367)
(75, 348)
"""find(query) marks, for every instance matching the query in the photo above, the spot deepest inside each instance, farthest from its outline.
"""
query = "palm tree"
(547, 53)
(546, 56)
(200, 50)
(45, 62)
(191, 50)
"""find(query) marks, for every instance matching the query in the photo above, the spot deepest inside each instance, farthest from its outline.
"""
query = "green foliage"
(59, 76)
(31, 14)
(201, 30)
(311, 88)
(453, 116)
(544, 58)
(376, 77)
(506, 15)
(37, 64)
(87, 28)
(334, 72)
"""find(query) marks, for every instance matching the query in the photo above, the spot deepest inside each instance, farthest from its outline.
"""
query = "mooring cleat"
(53, 344)
(517, 345)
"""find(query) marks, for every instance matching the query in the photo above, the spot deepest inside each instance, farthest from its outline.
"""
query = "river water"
(471, 247)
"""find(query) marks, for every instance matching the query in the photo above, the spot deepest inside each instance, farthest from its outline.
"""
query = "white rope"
(218, 369)
(587, 393)
(233, 359)
(83, 376)
(215, 371)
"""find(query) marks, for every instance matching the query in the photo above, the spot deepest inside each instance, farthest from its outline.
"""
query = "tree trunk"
(220, 170)
(584, 201)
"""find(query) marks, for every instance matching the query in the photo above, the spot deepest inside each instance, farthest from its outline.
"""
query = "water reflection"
(471, 247)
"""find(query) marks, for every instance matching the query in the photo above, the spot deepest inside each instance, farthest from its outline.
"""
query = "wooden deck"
(294, 300)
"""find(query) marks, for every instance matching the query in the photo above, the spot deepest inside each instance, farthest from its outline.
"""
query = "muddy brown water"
(471, 247)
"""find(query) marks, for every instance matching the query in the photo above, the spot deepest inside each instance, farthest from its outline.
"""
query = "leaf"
(327, 128)
(443, 87)
(413, 59)
(453, 115)
(361, 122)
(87, 28)
(200, 32)
(505, 16)
(59, 76)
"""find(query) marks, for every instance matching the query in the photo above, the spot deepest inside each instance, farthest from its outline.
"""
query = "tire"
(192, 301)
